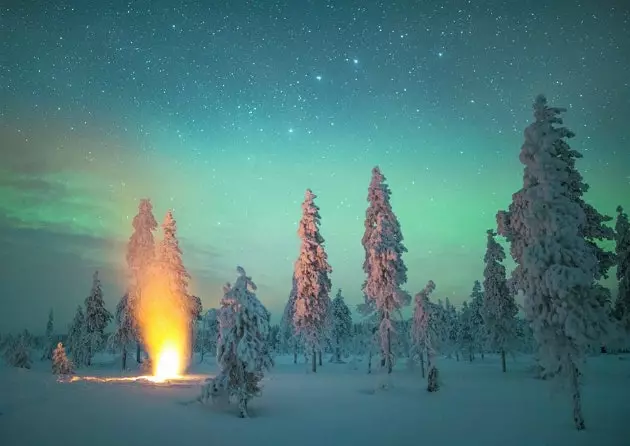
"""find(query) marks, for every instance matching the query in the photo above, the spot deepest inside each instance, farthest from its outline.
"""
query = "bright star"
(318, 77)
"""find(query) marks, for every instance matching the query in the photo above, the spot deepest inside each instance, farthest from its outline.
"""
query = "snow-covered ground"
(476, 405)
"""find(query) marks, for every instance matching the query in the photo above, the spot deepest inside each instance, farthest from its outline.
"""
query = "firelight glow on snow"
(228, 112)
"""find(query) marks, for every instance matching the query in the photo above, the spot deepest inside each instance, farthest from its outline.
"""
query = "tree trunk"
(482, 356)
(319, 358)
(295, 356)
(314, 361)
(578, 417)
(124, 358)
(370, 362)
(138, 353)
(457, 356)
(337, 350)
(503, 360)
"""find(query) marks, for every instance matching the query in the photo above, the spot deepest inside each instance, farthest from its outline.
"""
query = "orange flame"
(165, 329)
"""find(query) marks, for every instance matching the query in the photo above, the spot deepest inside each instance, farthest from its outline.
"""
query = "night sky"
(228, 111)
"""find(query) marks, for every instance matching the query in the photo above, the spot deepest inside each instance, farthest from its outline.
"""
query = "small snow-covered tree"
(77, 338)
(48, 339)
(287, 337)
(499, 307)
(140, 257)
(313, 284)
(452, 323)
(124, 333)
(17, 352)
(420, 335)
(622, 249)
(61, 365)
(465, 336)
(97, 317)
(383, 264)
(341, 325)
(558, 267)
(478, 326)
(242, 351)
(207, 339)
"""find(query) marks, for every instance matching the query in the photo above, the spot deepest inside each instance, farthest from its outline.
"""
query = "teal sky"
(229, 121)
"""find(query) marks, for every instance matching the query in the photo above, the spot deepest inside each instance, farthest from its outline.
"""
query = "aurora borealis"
(227, 111)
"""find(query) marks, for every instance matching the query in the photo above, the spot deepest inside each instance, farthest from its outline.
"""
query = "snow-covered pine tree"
(124, 334)
(77, 338)
(17, 352)
(452, 328)
(558, 268)
(312, 281)
(207, 339)
(196, 310)
(61, 365)
(242, 351)
(420, 335)
(383, 265)
(466, 339)
(342, 325)
(499, 309)
(622, 250)
(97, 317)
(287, 337)
(478, 326)
(140, 256)
(49, 342)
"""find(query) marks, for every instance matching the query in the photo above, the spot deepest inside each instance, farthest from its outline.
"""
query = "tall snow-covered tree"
(97, 317)
(452, 324)
(499, 306)
(622, 250)
(49, 342)
(420, 335)
(170, 267)
(557, 265)
(312, 281)
(140, 256)
(242, 351)
(341, 325)
(124, 333)
(78, 339)
(386, 272)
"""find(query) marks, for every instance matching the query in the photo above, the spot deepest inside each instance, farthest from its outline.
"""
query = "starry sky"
(227, 111)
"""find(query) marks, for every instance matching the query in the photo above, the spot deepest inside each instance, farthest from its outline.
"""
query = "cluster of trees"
(555, 238)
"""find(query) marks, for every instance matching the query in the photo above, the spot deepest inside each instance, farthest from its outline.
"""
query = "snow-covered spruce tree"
(558, 267)
(420, 336)
(61, 365)
(341, 326)
(383, 265)
(499, 307)
(124, 334)
(207, 339)
(97, 317)
(77, 338)
(242, 351)
(478, 326)
(140, 256)
(452, 329)
(369, 329)
(196, 310)
(17, 353)
(622, 249)
(312, 281)
(465, 336)
(287, 338)
(49, 342)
